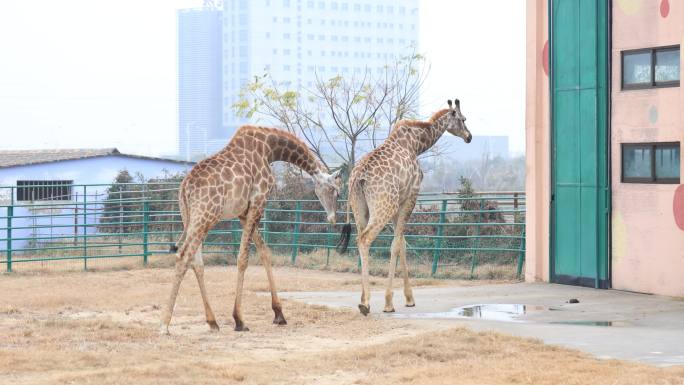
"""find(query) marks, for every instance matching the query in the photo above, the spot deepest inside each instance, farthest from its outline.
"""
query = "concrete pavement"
(605, 323)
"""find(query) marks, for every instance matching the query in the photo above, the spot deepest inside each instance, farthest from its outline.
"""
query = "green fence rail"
(94, 222)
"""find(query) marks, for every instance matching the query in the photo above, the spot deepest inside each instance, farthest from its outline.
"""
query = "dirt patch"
(102, 328)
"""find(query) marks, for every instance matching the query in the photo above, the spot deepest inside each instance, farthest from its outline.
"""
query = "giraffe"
(234, 183)
(384, 186)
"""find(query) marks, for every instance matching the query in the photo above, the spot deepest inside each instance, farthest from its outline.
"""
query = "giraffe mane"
(276, 131)
(421, 123)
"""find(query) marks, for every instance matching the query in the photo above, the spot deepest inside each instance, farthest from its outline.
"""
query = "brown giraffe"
(384, 186)
(234, 183)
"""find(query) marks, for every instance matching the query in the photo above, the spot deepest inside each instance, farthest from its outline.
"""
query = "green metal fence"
(447, 235)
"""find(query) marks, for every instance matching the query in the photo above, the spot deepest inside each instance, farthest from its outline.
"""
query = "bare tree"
(337, 114)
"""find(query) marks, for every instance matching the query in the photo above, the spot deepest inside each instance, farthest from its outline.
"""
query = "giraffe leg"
(188, 248)
(389, 307)
(198, 267)
(265, 255)
(402, 218)
(364, 241)
(408, 293)
(250, 222)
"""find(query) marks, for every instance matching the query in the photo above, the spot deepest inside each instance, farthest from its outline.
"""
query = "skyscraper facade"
(296, 40)
(200, 93)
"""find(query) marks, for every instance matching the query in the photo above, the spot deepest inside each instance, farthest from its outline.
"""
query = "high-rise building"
(296, 40)
(200, 94)
(293, 41)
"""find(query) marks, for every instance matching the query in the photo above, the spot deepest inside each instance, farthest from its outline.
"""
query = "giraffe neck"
(420, 136)
(286, 147)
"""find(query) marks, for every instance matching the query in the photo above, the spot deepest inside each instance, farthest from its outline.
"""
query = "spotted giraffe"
(234, 183)
(384, 186)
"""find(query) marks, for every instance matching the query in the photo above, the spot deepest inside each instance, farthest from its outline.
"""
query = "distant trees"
(486, 174)
(123, 207)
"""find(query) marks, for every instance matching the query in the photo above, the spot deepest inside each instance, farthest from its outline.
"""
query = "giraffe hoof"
(410, 304)
(388, 310)
(364, 309)
(213, 326)
(241, 328)
(279, 321)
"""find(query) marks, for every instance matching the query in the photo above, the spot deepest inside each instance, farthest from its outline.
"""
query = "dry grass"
(315, 260)
(85, 328)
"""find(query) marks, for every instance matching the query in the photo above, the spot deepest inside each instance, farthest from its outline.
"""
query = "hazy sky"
(94, 73)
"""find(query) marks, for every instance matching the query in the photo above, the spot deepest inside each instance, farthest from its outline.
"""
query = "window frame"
(45, 190)
(653, 179)
(653, 83)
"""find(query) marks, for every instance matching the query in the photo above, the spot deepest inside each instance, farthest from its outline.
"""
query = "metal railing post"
(515, 201)
(120, 221)
(146, 219)
(235, 233)
(265, 221)
(328, 239)
(476, 242)
(85, 228)
(295, 235)
(10, 213)
(438, 243)
(521, 255)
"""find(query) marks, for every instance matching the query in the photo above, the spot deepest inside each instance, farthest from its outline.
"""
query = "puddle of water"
(491, 312)
(591, 323)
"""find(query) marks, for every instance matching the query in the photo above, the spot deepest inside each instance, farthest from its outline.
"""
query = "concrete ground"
(605, 323)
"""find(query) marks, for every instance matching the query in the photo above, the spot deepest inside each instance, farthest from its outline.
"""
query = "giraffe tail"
(183, 208)
(345, 236)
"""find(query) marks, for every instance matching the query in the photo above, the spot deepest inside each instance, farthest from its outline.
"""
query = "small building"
(53, 192)
(604, 126)
(80, 166)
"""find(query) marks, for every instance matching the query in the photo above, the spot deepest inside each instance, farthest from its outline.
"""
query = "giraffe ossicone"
(384, 187)
(234, 183)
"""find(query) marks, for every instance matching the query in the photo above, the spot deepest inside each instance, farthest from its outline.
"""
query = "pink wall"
(648, 246)
(537, 139)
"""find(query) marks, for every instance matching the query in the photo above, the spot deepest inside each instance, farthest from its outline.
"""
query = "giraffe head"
(327, 188)
(455, 121)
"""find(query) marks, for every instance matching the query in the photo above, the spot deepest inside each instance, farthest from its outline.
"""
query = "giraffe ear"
(335, 174)
(449, 103)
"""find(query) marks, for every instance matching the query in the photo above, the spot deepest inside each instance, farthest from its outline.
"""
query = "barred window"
(44, 190)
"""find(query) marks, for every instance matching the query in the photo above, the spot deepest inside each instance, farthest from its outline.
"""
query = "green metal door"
(579, 121)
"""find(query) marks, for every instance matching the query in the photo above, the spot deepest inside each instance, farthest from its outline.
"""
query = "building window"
(44, 190)
(650, 67)
(650, 162)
